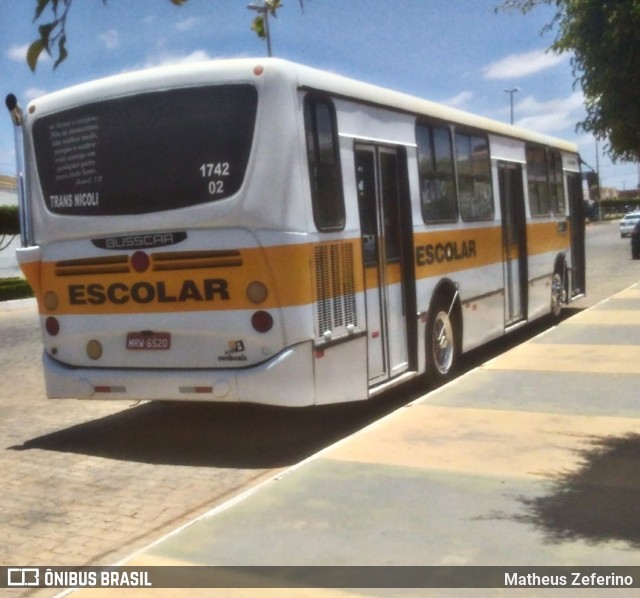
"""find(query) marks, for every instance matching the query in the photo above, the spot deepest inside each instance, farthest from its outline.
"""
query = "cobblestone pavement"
(91, 482)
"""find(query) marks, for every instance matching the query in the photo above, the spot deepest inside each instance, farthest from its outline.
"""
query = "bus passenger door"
(386, 230)
(576, 219)
(514, 241)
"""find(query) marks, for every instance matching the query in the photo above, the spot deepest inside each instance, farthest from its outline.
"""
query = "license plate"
(148, 341)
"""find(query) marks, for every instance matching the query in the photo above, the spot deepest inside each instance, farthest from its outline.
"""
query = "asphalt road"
(89, 483)
(609, 264)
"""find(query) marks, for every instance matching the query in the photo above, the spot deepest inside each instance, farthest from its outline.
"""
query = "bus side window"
(537, 180)
(544, 175)
(324, 164)
(556, 186)
(475, 192)
(437, 184)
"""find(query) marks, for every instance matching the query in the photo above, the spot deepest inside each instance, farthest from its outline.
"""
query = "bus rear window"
(147, 152)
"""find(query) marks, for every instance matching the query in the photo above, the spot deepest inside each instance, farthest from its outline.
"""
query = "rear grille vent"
(335, 289)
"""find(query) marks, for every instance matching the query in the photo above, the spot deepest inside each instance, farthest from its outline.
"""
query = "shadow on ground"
(596, 503)
(241, 436)
(214, 435)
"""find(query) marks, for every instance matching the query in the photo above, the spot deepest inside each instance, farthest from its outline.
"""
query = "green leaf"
(42, 4)
(34, 51)
(45, 31)
(258, 27)
(273, 6)
(62, 51)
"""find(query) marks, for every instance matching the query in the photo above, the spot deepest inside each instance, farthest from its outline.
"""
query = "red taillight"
(52, 326)
(110, 389)
(262, 321)
(140, 261)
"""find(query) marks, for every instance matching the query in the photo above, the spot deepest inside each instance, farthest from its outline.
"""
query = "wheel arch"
(560, 264)
(446, 290)
(559, 295)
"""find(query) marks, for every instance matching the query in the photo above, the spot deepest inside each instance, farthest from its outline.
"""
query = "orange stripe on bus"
(203, 281)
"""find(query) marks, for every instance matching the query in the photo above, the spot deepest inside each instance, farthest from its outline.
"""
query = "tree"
(53, 36)
(603, 37)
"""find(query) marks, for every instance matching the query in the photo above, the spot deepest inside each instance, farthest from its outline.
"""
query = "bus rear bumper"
(286, 380)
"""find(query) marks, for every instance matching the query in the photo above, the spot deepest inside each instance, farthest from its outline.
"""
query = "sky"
(457, 52)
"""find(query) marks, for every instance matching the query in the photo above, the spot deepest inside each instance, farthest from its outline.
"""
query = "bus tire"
(442, 342)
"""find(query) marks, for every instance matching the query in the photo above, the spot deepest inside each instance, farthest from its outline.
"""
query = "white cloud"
(546, 123)
(111, 39)
(574, 102)
(551, 116)
(522, 65)
(459, 101)
(165, 59)
(19, 54)
(186, 24)
(33, 92)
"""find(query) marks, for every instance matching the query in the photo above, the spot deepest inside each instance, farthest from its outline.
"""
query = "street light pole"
(511, 92)
(264, 11)
(598, 196)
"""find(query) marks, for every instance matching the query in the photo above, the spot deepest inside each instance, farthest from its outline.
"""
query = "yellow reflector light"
(94, 349)
(50, 300)
(257, 292)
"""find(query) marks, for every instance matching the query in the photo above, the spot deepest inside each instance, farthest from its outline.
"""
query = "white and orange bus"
(260, 231)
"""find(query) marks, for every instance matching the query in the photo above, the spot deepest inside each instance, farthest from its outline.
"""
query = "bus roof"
(243, 70)
(381, 96)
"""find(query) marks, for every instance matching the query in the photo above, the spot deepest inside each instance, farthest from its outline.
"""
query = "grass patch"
(14, 288)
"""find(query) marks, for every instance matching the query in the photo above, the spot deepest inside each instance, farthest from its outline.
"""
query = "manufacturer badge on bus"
(148, 341)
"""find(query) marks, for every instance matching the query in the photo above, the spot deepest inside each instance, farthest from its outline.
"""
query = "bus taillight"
(140, 261)
(262, 321)
(52, 325)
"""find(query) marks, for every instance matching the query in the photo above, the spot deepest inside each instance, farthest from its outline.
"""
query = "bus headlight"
(257, 292)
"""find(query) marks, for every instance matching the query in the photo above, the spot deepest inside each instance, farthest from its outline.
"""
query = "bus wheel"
(442, 344)
(558, 294)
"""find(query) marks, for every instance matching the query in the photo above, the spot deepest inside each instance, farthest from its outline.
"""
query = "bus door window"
(514, 240)
(368, 208)
(366, 185)
(381, 220)
(576, 215)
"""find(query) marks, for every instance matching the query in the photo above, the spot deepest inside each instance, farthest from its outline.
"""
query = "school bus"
(257, 230)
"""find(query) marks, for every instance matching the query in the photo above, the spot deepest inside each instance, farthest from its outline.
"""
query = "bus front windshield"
(147, 152)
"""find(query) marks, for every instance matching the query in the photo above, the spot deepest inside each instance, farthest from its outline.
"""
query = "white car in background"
(628, 223)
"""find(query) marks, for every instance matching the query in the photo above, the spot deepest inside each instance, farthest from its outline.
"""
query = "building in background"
(8, 191)
(8, 197)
